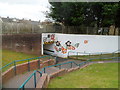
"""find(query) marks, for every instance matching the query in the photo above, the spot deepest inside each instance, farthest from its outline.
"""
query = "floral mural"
(68, 46)
(49, 39)
(61, 47)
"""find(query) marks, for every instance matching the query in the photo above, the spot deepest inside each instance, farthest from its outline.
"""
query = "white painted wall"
(96, 43)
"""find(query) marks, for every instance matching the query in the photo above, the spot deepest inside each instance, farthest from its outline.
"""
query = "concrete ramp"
(18, 80)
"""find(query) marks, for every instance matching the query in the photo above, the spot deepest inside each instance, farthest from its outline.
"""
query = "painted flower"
(71, 48)
(85, 41)
(59, 49)
(48, 36)
(64, 50)
(52, 37)
(68, 43)
(56, 49)
(58, 43)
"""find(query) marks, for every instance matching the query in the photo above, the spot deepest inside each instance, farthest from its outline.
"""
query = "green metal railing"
(32, 75)
(14, 63)
(70, 62)
(85, 55)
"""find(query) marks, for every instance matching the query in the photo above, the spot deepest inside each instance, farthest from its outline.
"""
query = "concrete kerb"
(45, 79)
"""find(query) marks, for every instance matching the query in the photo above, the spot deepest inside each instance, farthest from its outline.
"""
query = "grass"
(103, 75)
(8, 56)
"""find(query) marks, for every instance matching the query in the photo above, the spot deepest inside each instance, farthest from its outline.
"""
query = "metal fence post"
(89, 55)
(71, 65)
(44, 69)
(77, 55)
(40, 74)
(56, 60)
(68, 54)
(23, 88)
(28, 65)
(113, 54)
(15, 67)
(35, 79)
(101, 55)
(49, 57)
(59, 66)
(48, 61)
(39, 64)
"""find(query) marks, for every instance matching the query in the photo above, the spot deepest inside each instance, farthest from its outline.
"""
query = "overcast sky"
(28, 9)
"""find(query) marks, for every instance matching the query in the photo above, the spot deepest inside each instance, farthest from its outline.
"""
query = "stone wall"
(27, 43)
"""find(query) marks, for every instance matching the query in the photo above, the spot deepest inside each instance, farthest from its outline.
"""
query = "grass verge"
(103, 75)
(8, 56)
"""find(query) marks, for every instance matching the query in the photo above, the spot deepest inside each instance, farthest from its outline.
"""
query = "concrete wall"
(64, 43)
(43, 81)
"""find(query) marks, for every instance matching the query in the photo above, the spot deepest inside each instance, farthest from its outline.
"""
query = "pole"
(68, 54)
(28, 65)
(44, 69)
(35, 79)
(59, 66)
(71, 65)
(15, 67)
(77, 55)
(39, 64)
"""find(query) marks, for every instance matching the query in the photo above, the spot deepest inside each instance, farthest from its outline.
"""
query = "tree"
(84, 13)
(67, 13)
(117, 19)
(109, 14)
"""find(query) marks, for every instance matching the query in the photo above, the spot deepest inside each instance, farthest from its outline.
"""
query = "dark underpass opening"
(48, 49)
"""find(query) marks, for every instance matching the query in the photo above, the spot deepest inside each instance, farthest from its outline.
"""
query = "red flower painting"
(85, 41)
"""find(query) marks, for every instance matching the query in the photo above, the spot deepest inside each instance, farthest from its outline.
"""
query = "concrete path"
(16, 81)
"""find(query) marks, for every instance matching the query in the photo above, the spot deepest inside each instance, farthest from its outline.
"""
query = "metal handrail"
(6, 65)
(33, 74)
(93, 53)
(22, 86)
(24, 60)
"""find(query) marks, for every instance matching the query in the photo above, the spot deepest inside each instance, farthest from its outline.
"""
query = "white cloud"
(29, 9)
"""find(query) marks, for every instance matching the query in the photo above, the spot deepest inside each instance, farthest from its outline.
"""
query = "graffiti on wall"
(49, 39)
(68, 46)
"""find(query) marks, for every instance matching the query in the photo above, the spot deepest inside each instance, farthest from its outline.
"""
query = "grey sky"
(28, 9)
